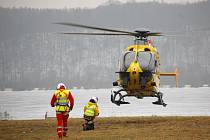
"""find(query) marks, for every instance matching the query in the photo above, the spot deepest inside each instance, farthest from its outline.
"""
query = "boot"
(92, 126)
(89, 127)
(84, 127)
(65, 134)
(60, 137)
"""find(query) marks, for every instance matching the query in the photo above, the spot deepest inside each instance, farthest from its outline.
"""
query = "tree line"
(34, 55)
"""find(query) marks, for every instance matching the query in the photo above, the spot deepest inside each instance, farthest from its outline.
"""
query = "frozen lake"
(189, 101)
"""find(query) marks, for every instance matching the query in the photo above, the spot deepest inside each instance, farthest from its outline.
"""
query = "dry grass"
(117, 128)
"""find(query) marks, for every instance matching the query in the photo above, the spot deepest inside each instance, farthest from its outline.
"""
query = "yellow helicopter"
(139, 72)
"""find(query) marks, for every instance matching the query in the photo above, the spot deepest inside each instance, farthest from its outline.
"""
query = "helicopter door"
(147, 61)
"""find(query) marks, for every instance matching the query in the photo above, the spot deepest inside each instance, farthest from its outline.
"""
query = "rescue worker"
(91, 110)
(61, 99)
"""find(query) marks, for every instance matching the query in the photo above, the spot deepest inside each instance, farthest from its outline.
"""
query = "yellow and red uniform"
(61, 99)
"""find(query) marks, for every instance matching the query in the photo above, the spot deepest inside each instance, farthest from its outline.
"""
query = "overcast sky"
(72, 3)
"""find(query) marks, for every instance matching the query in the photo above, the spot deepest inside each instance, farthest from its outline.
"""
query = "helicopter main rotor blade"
(96, 34)
(137, 34)
(95, 28)
(154, 34)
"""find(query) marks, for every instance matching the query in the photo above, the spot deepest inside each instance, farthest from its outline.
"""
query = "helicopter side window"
(146, 49)
(128, 59)
(147, 61)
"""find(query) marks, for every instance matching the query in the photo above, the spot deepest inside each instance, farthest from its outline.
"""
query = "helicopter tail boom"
(175, 73)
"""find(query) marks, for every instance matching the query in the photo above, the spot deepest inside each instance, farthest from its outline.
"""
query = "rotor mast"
(141, 37)
(138, 40)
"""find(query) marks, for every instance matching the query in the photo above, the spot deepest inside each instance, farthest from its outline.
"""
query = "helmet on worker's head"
(95, 99)
(61, 86)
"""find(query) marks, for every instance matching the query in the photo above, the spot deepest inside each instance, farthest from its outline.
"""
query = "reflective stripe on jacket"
(91, 109)
(62, 102)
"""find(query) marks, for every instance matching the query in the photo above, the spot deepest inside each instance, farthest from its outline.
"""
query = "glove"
(53, 105)
(70, 108)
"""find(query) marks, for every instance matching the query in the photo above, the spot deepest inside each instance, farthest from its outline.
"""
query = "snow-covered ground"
(181, 102)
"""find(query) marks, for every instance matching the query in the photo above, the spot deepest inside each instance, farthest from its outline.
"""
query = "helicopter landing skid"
(160, 100)
(159, 103)
(120, 99)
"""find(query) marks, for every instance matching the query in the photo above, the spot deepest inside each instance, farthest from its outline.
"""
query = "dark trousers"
(89, 123)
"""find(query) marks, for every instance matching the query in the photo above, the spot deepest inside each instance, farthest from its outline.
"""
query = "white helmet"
(95, 99)
(61, 85)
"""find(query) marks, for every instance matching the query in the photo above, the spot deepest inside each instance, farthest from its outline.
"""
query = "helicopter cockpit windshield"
(146, 61)
(128, 59)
